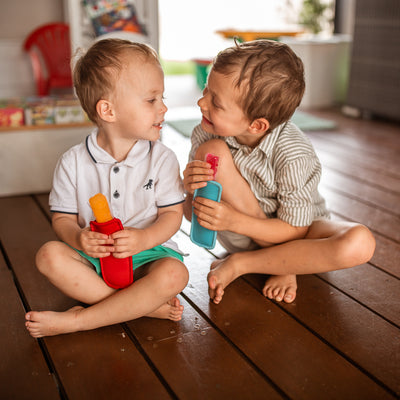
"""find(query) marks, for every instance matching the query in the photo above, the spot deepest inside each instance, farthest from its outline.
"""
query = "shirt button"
(116, 170)
(116, 194)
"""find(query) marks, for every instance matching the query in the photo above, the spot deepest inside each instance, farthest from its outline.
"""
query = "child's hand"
(96, 244)
(213, 215)
(196, 175)
(128, 242)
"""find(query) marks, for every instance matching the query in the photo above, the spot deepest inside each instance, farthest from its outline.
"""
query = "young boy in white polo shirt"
(120, 85)
(272, 219)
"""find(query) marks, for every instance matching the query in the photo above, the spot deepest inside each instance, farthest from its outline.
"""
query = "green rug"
(304, 121)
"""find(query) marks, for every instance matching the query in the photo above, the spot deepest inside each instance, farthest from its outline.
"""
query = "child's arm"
(132, 241)
(93, 244)
(222, 216)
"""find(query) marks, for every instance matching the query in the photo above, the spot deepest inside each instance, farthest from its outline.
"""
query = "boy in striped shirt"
(271, 219)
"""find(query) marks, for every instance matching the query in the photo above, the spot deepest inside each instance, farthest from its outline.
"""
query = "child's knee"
(357, 246)
(366, 242)
(214, 146)
(176, 275)
(182, 275)
(46, 256)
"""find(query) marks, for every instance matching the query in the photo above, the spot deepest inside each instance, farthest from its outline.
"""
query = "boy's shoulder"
(292, 142)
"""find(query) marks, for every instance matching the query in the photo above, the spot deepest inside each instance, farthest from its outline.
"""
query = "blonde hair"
(96, 72)
(269, 75)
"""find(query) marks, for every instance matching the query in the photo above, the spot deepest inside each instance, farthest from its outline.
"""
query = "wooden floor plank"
(119, 366)
(387, 255)
(361, 191)
(351, 209)
(197, 361)
(366, 284)
(349, 327)
(362, 152)
(22, 365)
(43, 201)
(348, 167)
(255, 325)
(23, 230)
(382, 134)
(103, 363)
(358, 144)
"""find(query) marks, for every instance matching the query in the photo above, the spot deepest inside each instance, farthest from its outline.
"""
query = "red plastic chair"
(50, 53)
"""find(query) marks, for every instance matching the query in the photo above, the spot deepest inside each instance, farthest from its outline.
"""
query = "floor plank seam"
(361, 180)
(337, 350)
(235, 347)
(26, 307)
(358, 301)
(148, 360)
(392, 275)
(37, 202)
(52, 369)
(359, 199)
(17, 285)
(355, 149)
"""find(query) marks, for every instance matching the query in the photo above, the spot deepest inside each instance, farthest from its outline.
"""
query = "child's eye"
(215, 104)
(151, 101)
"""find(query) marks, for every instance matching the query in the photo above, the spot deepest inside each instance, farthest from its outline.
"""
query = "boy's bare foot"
(50, 323)
(221, 275)
(281, 287)
(172, 310)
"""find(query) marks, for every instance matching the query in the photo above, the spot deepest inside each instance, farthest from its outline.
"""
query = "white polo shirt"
(135, 188)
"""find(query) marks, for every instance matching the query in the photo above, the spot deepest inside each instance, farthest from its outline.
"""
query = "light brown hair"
(96, 72)
(270, 77)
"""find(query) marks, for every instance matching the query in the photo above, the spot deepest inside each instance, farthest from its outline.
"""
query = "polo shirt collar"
(138, 152)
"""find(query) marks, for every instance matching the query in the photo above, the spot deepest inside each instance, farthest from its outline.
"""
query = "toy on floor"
(117, 272)
(198, 234)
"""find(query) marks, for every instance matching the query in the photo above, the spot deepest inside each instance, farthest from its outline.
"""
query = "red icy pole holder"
(117, 272)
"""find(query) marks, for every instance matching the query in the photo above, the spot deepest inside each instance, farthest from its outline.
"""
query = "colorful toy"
(213, 160)
(117, 272)
(198, 234)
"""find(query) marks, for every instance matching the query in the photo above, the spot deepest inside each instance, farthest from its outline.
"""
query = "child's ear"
(105, 110)
(259, 125)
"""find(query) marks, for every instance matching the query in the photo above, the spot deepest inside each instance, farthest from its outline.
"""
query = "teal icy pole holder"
(198, 234)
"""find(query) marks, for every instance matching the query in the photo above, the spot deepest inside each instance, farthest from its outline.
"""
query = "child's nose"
(164, 108)
(201, 102)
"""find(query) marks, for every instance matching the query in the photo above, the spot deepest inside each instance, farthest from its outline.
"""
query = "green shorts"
(139, 259)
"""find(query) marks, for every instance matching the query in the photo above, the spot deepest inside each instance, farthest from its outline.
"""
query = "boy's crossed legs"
(152, 294)
(327, 245)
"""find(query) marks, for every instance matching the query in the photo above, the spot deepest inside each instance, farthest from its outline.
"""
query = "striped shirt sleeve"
(199, 136)
(297, 183)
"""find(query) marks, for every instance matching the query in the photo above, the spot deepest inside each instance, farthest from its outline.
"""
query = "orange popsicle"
(100, 208)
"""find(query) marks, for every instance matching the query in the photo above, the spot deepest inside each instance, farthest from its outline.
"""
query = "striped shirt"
(283, 172)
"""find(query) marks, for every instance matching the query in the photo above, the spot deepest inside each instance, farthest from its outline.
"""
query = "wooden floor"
(339, 340)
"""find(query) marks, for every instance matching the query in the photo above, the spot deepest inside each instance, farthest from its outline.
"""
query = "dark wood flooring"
(340, 339)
